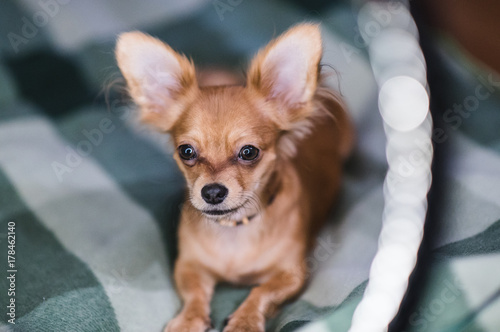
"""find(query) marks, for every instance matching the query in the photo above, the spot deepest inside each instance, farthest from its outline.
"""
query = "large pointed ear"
(287, 69)
(158, 78)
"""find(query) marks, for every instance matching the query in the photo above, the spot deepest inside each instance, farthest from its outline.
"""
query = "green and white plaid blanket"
(89, 199)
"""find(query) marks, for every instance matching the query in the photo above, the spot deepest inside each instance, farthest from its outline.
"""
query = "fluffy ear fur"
(158, 78)
(286, 71)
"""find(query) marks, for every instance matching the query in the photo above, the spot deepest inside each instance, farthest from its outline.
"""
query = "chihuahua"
(262, 162)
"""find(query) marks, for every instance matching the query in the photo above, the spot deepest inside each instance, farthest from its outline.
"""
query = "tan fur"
(287, 192)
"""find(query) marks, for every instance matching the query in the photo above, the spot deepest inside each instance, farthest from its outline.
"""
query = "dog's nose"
(214, 193)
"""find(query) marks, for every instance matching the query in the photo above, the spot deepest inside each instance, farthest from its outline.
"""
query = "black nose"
(214, 193)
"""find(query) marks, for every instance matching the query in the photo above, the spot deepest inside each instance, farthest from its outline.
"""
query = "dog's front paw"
(183, 324)
(254, 322)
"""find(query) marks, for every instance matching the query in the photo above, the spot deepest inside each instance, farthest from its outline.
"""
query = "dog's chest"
(244, 255)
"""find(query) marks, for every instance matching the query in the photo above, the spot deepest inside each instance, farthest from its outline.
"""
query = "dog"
(262, 162)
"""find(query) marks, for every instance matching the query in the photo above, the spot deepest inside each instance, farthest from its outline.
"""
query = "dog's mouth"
(228, 217)
(219, 212)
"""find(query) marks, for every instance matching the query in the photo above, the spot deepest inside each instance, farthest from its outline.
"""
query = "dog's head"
(229, 139)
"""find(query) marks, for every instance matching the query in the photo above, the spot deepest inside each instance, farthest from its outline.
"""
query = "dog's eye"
(187, 152)
(248, 152)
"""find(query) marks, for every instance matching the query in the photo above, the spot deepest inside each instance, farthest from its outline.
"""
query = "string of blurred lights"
(400, 71)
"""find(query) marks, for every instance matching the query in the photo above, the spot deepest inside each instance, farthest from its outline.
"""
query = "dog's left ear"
(287, 69)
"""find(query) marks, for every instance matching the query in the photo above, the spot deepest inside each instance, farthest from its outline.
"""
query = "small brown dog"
(262, 163)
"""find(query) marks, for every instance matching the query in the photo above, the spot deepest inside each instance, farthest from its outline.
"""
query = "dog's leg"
(195, 287)
(264, 300)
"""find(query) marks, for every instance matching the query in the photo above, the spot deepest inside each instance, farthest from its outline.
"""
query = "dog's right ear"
(158, 78)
